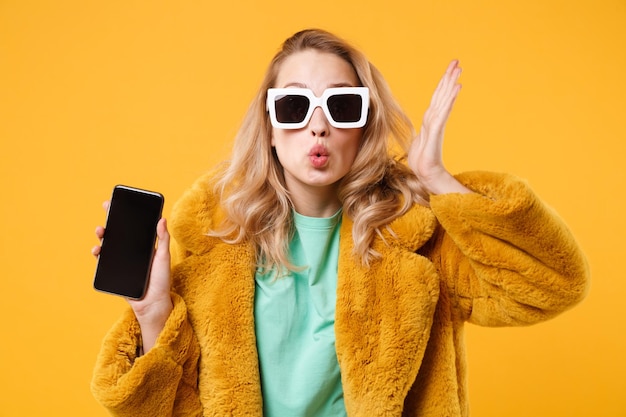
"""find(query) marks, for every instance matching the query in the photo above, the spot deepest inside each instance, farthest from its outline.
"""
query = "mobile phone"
(129, 242)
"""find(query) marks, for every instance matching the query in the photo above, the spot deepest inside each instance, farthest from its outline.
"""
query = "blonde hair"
(378, 188)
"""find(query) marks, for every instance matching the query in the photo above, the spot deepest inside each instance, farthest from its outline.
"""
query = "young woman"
(318, 274)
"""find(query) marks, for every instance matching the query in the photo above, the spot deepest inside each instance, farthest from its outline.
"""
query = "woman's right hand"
(153, 310)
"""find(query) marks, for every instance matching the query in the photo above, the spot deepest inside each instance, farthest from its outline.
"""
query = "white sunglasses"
(292, 108)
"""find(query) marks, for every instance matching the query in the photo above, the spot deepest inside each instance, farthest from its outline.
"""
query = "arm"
(506, 258)
(148, 364)
(163, 382)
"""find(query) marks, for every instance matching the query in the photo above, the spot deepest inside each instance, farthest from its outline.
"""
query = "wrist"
(152, 318)
(155, 313)
(445, 183)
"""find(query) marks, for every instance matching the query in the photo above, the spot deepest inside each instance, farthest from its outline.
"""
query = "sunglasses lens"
(345, 108)
(291, 108)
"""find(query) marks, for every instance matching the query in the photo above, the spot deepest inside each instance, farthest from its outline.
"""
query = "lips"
(318, 155)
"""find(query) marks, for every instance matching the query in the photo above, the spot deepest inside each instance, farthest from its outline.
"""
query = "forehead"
(315, 70)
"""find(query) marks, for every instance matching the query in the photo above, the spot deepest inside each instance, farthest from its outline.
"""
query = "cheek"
(278, 141)
(352, 146)
(280, 138)
(282, 147)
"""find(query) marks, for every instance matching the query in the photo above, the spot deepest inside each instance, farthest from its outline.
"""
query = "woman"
(317, 274)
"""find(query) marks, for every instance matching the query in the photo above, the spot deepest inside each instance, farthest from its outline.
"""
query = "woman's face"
(318, 155)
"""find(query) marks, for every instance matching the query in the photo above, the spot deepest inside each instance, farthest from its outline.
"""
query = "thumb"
(163, 246)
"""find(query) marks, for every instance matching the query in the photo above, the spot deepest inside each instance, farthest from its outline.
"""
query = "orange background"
(150, 94)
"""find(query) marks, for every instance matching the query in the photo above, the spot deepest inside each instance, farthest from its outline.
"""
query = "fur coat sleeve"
(506, 258)
(163, 382)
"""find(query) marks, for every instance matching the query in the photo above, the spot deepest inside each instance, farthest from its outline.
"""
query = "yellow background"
(150, 93)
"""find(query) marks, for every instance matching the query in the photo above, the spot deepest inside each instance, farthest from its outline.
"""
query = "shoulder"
(497, 192)
(413, 229)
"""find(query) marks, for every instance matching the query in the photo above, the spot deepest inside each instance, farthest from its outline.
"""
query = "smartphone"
(129, 242)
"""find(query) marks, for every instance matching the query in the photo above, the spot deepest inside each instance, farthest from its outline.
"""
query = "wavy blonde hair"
(378, 188)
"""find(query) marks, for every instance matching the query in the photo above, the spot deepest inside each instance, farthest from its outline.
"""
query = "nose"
(318, 125)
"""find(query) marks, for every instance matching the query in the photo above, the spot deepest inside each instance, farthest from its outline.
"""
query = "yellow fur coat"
(498, 257)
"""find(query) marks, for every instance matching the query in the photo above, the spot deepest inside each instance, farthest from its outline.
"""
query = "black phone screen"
(129, 242)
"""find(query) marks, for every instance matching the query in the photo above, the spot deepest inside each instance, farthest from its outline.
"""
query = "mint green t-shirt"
(295, 326)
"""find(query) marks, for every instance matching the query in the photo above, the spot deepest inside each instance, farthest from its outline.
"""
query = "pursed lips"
(318, 155)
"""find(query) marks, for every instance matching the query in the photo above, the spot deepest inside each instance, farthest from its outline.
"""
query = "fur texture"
(498, 257)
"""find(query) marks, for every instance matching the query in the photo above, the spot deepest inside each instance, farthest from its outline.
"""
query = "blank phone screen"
(129, 242)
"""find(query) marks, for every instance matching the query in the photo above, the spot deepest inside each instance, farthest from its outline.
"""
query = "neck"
(316, 201)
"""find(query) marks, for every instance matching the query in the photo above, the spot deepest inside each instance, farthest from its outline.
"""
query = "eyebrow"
(335, 85)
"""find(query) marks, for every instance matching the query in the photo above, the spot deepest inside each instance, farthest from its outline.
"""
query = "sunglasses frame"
(314, 102)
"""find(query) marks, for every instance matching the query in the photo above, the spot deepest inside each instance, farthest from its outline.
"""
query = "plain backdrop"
(150, 93)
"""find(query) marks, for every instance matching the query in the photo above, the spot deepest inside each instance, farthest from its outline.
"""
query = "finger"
(453, 71)
(450, 98)
(164, 238)
(160, 275)
(106, 204)
(99, 232)
(452, 66)
(437, 117)
(95, 251)
(450, 81)
(448, 94)
(446, 86)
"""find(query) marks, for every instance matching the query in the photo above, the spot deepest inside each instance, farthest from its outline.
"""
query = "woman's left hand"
(425, 154)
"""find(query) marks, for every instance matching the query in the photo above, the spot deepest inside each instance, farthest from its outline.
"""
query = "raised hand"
(425, 154)
(155, 307)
